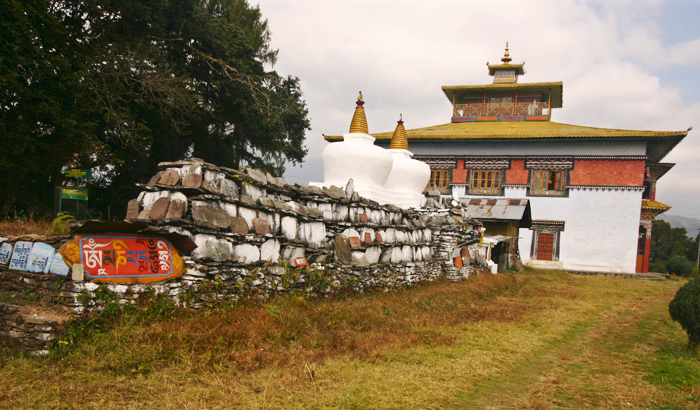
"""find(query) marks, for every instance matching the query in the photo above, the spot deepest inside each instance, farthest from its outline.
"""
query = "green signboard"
(74, 193)
(77, 173)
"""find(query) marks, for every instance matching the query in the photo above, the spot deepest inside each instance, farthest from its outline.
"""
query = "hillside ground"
(530, 340)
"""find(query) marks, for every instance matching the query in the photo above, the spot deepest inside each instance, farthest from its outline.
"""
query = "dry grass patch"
(22, 225)
(504, 341)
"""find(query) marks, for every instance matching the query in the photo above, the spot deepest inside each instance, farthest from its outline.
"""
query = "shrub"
(679, 265)
(685, 309)
(59, 226)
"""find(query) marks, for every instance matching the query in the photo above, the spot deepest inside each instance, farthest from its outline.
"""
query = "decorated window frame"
(440, 180)
(486, 181)
(549, 176)
(487, 175)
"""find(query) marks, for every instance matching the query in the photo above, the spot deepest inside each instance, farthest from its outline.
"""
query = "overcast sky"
(624, 64)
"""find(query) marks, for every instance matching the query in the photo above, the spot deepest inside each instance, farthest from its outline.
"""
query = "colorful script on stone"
(124, 259)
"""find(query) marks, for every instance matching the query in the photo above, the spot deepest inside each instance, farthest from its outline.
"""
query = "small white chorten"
(408, 177)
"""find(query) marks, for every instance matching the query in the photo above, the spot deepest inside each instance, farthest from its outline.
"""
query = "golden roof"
(399, 140)
(659, 142)
(654, 206)
(358, 125)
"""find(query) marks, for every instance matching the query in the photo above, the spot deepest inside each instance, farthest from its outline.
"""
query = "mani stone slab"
(192, 181)
(239, 225)
(132, 210)
(176, 209)
(355, 242)
(343, 252)
(210, 216)
(261, 226)
(153, 181)
(160, 209)
(169, 177)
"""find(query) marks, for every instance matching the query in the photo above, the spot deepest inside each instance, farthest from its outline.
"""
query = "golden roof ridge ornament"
(399, 140)
(359, 121)
(506, 57)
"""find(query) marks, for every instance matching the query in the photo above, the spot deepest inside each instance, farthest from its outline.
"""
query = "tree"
(668, 242)
(126, 84)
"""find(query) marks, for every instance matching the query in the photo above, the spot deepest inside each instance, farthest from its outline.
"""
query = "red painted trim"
(517, 174)
(647, 251)
(536, 117)
(487, 118)
(459, 174)
(608, 172)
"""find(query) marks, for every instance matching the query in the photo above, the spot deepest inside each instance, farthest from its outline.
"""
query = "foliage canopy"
(671, 248)
(119, 86)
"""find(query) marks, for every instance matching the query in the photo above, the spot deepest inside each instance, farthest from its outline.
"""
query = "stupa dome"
(408, 177)
(357, 157)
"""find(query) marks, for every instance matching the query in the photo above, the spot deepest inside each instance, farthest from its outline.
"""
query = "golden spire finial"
(359, 121)
(399, 140)
(506, 57)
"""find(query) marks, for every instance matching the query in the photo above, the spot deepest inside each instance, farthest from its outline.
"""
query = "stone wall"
(256, 237)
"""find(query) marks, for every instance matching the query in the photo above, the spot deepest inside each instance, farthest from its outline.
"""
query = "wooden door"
(545, 247)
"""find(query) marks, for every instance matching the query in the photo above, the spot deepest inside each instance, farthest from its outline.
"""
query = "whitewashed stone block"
(315, 233)
(246, 253)
(230, 209)
(373, 253)
(327, 210)
(407, 254)
(270, 251)
(396, 255)
(219, 249)
(390, 235)
(427, 253)
(201, 241)
(341, 213)
(427, 235)
(400, 236)
(290, 228)
(417, 254)
(386, 255)
(359, 259)
(253, 191)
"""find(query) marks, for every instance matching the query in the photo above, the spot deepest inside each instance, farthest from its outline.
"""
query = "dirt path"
(598, 365)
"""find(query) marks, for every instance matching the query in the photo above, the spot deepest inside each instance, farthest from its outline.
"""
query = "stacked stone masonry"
(256, 237)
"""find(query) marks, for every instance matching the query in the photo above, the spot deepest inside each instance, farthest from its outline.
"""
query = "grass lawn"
(533, 340)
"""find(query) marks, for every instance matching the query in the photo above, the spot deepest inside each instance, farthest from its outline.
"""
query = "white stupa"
(386, 176)
(357, 158)
(408, 177)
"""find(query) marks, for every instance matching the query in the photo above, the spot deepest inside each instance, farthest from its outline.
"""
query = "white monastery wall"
(600, 230)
